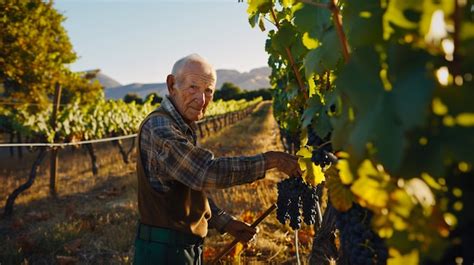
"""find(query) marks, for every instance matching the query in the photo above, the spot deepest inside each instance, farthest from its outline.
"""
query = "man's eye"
(209, 91)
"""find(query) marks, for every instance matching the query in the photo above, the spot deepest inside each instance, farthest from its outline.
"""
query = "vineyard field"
(85, 222)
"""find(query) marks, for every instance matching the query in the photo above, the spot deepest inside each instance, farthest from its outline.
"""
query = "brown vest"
(180, 208)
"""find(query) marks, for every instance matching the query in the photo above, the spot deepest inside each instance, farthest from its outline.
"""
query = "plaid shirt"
(170, 152)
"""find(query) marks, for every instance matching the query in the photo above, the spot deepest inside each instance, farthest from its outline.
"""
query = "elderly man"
(174, 173)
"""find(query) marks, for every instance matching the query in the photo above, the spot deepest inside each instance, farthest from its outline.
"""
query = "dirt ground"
(93, 220)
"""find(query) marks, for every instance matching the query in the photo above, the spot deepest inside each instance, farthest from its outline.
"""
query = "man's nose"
(200, 98)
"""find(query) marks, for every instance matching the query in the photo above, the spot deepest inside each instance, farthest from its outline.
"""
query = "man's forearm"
(226, 172)
(271, 160)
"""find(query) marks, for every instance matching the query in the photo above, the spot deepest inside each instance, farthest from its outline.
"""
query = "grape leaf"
(321, 123)
(314, 106)
(400, 259)
(262, 6)
(253, 19)
(394, 15)
(311, 19)
(345, 172)
(358, 16)
(370, 187)
(383, 117)
(287, 3)
(312, 174)
(413, 85)
(308, 42)
(341, 124)
(325, 57)
(340, 195)
(283, 38)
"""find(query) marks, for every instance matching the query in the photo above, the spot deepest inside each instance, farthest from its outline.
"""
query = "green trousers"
(164, 246)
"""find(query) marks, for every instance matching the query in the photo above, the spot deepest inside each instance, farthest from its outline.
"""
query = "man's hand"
(241, 231)
(284, 162)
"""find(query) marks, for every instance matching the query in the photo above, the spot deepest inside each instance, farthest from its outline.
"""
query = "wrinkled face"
(192, 90)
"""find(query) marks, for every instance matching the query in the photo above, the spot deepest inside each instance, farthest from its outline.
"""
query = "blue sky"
(138, 41)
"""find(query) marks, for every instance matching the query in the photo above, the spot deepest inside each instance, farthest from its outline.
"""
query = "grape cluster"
(294, 198)
(310, 202)
(360, 244)
(322, 155)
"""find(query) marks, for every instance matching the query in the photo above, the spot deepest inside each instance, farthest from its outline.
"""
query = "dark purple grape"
(295, 198)
(358, 241)
(322, 153)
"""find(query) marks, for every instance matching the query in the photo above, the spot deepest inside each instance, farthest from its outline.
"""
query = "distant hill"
(141, 90)
(104, 80)
(255, 79)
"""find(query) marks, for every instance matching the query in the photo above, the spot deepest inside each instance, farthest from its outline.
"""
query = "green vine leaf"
(311, 19)
(325, 57)
(312, 174)
(358, 16)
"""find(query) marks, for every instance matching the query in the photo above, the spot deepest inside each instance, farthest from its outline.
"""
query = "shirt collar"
(168, 105)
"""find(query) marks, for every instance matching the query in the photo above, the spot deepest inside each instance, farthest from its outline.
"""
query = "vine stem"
(328, 80)
(292, 61)
(338, 23)
(296, 247)
(324, 144)
(269, 21)
(31, 179)
(457, 27)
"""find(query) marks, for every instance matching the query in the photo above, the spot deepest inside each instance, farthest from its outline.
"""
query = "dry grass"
(94, 219)
(246, 202)
(92, 222)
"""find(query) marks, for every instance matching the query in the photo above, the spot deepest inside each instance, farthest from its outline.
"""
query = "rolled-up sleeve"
(197, 167)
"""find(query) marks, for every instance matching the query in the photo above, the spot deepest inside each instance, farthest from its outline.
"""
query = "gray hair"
(178, 65)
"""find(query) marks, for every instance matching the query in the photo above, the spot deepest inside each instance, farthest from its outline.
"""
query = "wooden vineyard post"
(12, 149)
(19, 148)
(93, 156)
(214, 124)
(207, 128)
(54, 163)
(200, 129)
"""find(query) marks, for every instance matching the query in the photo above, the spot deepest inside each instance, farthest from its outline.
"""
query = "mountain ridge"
(252, 80)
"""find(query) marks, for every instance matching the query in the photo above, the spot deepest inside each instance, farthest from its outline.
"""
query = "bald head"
(194, 61)
(191, 86)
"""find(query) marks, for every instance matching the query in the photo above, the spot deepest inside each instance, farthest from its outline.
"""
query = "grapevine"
(378, 93)
(105, 118)
(220, 106)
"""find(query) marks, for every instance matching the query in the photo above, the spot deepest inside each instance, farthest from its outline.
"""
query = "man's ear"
(170, 82)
